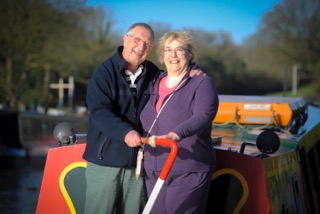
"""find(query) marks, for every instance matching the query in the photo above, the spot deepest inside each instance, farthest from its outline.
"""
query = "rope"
(236, 116)
(234, 119)
(273, 119)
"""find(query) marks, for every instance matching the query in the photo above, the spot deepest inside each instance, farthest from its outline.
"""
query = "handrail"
(172, 155)
(165, 170)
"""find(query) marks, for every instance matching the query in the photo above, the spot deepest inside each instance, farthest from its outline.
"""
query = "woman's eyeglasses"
(178, 51)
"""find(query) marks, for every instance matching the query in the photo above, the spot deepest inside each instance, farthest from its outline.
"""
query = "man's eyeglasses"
(139, 41)
(178, 51)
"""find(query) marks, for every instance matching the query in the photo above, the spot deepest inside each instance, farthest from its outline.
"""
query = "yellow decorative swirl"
(62, 186)
(242, 181)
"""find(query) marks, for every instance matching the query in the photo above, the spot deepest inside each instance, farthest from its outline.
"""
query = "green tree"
(290, 34)
(21, 35)
(44, 40)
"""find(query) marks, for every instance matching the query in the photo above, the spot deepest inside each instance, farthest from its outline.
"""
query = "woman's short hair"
(182, 36)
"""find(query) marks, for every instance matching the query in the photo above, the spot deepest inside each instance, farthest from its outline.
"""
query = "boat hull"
(63, 184)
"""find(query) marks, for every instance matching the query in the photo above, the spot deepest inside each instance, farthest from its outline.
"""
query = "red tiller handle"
(171, 157)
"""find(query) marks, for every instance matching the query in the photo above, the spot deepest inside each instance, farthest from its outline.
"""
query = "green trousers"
(113, 190)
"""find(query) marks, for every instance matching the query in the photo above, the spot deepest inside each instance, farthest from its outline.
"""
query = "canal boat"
(268, 160)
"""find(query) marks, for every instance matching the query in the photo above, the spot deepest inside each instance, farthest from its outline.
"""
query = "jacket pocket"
(105, 143)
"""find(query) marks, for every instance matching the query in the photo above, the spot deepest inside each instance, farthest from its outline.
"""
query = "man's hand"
(196, 72)
(132, 139)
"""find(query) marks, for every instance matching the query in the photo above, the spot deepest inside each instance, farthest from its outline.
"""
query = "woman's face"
(176, 57)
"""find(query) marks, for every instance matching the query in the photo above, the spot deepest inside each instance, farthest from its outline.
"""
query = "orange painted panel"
(51, 198)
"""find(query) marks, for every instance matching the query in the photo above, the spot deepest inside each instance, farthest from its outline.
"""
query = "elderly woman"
(180, 108)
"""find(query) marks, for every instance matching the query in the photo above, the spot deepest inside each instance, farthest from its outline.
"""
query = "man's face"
(137, 44)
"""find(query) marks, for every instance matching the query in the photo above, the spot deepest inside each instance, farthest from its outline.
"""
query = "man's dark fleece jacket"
(114, 111)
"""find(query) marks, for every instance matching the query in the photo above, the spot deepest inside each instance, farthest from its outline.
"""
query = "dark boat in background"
(10, 144)
(268, 160)
(30, 134)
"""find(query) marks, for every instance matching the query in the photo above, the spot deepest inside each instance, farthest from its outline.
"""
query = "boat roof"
(230, 129)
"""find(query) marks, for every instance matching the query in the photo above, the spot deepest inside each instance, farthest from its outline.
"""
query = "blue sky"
(240, 18)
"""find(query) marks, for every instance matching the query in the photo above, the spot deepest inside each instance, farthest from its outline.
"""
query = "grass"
(309, 90)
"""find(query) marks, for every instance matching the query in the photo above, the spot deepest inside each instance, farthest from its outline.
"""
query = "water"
(20, 182)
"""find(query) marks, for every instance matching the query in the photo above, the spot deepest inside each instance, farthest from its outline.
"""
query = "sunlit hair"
(140, 24)
(182, 36)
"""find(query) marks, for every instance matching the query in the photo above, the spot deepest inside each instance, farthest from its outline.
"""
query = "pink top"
(163, 92)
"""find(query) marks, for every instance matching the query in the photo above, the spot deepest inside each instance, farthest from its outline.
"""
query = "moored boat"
(26, 134)
(267, 160)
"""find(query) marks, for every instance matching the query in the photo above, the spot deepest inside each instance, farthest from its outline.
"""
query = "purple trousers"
(182, 192)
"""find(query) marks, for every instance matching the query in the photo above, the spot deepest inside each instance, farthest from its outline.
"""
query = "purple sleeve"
(205, 109)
